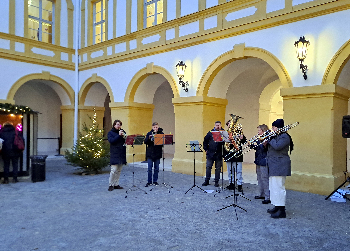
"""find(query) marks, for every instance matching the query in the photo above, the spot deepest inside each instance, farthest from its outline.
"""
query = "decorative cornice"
(317, 91)
(28, 57)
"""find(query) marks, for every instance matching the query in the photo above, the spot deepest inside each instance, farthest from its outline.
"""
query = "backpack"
(18, 142)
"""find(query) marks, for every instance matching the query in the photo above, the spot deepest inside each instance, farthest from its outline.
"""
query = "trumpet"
(123, 133)
(258, 139)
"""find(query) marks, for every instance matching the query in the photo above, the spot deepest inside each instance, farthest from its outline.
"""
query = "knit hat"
(279, 123)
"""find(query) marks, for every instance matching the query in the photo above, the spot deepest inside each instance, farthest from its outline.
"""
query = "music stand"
(336, 190)
(163, 139)
(134, 140)
(235, 195)
(195, 147)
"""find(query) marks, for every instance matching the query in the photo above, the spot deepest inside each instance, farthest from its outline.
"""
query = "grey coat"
(278, 159)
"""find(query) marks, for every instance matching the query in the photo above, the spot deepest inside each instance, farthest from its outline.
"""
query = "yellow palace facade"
(65, 58)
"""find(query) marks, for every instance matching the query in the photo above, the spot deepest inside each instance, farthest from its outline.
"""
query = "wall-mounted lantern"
(180, 68)
(302, 46)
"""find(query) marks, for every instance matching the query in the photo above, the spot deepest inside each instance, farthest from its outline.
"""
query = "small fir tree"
(91, 152)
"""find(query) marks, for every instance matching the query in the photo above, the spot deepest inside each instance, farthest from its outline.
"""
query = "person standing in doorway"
(9, 151)
(116, 137)
(153, 154)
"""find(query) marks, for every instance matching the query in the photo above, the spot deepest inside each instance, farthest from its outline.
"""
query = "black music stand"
(134, 140)
(195, 147)
(163, 139)
(234, 173)
(235, 195)
(336, 190)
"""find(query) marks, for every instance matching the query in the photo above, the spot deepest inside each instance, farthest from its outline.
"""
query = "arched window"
(41, 16)
(153, 12)
(99, 21)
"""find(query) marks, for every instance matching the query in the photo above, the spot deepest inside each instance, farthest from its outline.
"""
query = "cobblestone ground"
(74, 212)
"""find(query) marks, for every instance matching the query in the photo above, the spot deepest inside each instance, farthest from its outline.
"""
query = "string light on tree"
(90, 153)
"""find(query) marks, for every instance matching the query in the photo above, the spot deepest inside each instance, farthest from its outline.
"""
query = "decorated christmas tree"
(91, 152)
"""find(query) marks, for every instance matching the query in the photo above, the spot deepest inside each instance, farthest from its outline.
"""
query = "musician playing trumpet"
(153, 154)
(116, 138)
(279, 165)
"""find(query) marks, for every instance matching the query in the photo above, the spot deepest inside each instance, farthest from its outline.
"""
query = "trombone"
(257, 139)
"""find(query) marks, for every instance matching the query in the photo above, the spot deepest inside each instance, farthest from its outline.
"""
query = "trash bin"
(38, 167)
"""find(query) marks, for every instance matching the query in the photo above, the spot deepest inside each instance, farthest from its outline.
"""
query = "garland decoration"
(15, 109)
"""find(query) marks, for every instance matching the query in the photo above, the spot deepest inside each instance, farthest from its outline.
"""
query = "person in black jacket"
(213, 151)
(153, 153)
(116, 138)
(262, 171)
(9, 151)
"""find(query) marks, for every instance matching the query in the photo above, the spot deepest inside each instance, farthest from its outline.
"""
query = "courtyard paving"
(74, 212)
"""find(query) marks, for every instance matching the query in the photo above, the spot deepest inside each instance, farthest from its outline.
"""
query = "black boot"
(205, 183)
(272, 210)
(231, 186)
(281, 213)
(240, 189)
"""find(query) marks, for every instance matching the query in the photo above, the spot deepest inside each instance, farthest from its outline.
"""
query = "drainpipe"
(76, 45)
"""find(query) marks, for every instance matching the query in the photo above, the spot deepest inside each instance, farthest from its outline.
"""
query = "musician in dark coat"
(9, 152)
(116, 137)
(262, 172)
(213, 152)
(153, 153)
(279, 165)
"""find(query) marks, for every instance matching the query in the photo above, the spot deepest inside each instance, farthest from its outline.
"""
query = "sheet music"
(225, 136)
(195, 145)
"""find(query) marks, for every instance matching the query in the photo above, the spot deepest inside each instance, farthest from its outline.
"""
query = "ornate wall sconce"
(180, 68)
(301, 46)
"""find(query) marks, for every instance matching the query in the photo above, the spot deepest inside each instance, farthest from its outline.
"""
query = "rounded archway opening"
(155, 89)
(251, 87)
(46, 97)
(96, 96)
(344, 81)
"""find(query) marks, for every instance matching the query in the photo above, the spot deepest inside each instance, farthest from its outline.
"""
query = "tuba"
(235, 130)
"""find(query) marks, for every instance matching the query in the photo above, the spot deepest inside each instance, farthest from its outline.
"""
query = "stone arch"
(142, 74)
(44, 76)
(336, 65)
(89, 83)
(240, 52)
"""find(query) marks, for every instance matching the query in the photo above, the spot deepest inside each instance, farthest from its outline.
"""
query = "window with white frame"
(153, 12)
(40, 20)
(99, 21)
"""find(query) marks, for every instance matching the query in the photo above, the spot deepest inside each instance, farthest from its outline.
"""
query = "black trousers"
(218, 164)
(7, 161)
